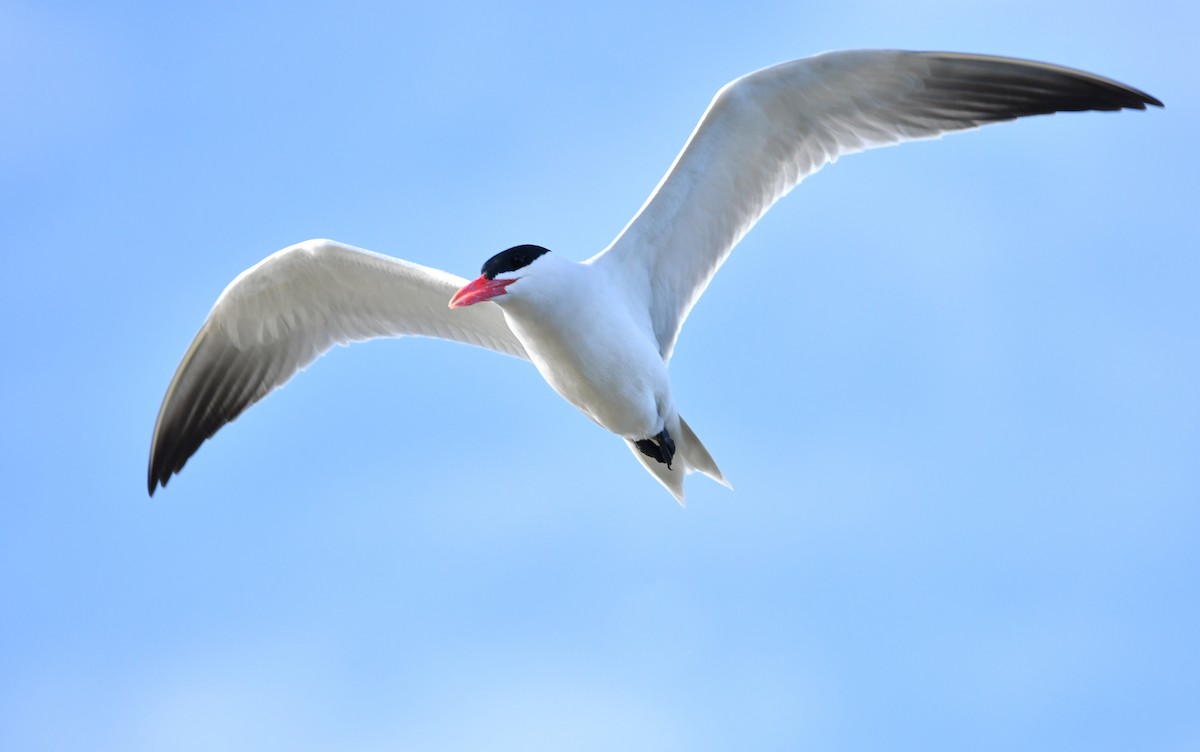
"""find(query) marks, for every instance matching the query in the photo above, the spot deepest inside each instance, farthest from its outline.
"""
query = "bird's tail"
(690, 457)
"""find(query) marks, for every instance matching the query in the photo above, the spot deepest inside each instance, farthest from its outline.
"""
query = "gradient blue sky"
(954, 384)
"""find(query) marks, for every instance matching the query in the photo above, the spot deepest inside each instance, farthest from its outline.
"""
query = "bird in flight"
(601, 331)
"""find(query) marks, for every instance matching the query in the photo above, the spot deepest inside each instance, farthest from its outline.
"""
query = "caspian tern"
(601, 331)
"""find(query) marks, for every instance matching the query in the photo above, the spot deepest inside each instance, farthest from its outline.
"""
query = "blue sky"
(953, 384)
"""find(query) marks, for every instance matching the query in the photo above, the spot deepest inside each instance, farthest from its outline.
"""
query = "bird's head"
(498, 273)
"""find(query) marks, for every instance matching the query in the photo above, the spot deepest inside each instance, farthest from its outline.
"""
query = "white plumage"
(601, 332)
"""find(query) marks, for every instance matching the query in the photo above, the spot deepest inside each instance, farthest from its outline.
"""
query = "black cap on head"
(517, 257)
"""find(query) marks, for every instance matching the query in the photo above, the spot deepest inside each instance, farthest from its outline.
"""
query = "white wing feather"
(765, 132)
(281, 314)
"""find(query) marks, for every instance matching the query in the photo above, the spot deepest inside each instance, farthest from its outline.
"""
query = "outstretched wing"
(765, 132)
(284, 312)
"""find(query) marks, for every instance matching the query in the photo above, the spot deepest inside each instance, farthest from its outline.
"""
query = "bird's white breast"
(590, 346)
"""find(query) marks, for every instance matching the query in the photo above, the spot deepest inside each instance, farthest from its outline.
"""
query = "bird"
(601, 331)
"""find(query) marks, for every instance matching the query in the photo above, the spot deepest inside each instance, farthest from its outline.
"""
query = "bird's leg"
(666, 447)
(649, 448)
(663, 451)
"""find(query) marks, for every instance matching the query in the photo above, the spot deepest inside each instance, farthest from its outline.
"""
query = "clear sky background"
(956, 387)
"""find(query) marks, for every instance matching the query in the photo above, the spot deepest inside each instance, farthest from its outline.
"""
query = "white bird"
(601, 331)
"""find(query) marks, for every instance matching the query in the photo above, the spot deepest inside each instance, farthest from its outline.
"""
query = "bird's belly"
(619, 399)
(619, 387)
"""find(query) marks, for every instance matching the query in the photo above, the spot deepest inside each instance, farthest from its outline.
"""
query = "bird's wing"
(765, 132)
(281, 314)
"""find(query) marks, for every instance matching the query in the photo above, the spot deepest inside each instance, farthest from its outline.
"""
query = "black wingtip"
(993, 89)
(1138, 99)
(159, 470)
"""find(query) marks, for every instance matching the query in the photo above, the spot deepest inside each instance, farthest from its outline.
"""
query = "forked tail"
(690, 457)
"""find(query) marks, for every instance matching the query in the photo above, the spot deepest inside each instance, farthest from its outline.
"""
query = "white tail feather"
(690, 457)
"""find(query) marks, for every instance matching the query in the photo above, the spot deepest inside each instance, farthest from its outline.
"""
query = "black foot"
(663, 451)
